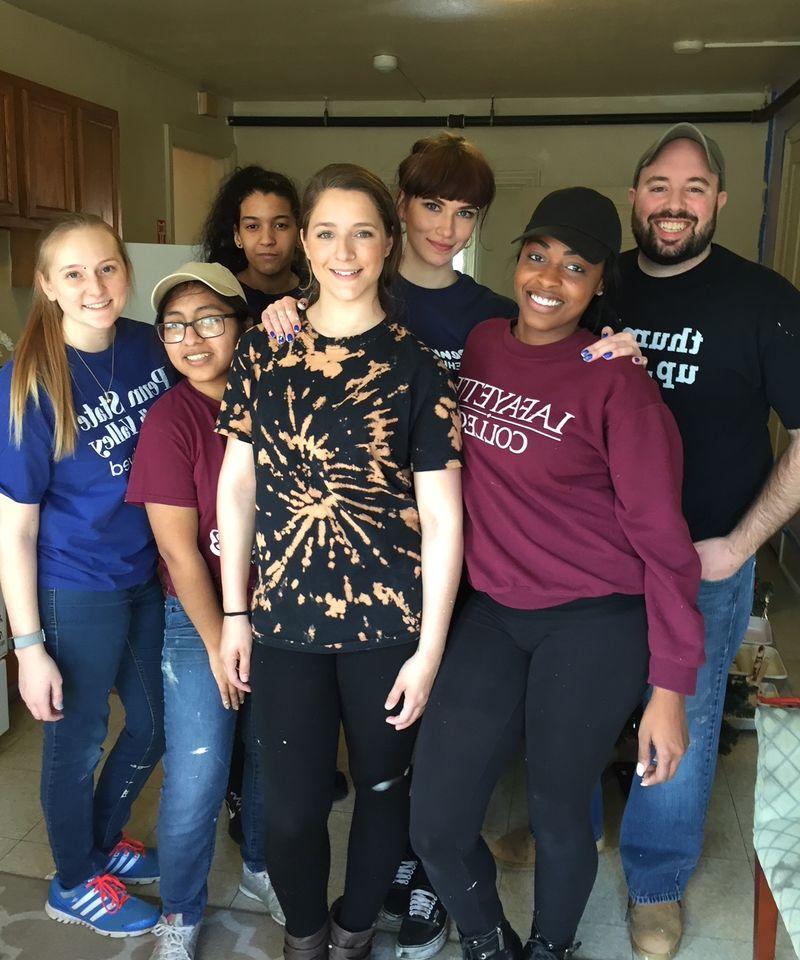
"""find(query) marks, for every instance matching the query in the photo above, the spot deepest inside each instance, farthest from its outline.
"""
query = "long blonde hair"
(40, 359)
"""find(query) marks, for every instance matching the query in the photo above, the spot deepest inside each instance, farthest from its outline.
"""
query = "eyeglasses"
(173, 331)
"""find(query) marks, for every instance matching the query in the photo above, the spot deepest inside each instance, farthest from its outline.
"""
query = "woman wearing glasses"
(201, 312)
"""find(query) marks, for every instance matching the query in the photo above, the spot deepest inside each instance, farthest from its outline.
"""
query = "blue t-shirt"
(89, 538)
(443, 319)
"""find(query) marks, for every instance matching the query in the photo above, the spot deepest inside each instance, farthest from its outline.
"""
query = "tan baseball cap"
(685, 131)
(213, 275)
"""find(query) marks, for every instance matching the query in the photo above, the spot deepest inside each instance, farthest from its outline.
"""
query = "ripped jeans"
(200, 735)
(100, 639)
(299, 700)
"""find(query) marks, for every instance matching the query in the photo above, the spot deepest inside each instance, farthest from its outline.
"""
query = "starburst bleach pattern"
(338, 427)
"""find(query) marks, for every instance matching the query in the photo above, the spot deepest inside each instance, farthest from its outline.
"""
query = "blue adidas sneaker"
(133, 862)
(102, 905)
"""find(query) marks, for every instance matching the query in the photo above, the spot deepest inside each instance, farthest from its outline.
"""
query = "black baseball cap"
(685, 131)
(580, 217)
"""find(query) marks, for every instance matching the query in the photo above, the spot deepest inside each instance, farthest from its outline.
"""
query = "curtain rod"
(460, 121)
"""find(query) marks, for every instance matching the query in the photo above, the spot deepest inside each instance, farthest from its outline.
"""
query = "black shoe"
(233, 802)
(424, 929)
(499, 944)
(395, 906)
(340, 788)
(537, 948)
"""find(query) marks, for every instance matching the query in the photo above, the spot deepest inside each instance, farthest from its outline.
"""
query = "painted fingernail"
(586, 354)
(604, 335)
(607, 356)
(280, 339)
(640, 768)
(272, 334)
(297, 328)
(289, 338)
(637, 359)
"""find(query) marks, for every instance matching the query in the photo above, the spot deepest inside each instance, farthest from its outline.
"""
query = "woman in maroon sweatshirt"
(585, 583)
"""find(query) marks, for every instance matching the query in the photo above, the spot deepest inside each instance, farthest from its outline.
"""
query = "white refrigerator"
(151, 262)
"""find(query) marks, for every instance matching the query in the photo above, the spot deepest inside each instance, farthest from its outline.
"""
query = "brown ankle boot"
(344, 945)
(314, 947)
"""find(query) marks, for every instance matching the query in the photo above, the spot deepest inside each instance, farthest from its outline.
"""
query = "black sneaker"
(233, 803)
(395, 906)
(424, 929)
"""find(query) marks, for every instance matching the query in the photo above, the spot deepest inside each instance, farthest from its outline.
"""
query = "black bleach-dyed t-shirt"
(338, 427)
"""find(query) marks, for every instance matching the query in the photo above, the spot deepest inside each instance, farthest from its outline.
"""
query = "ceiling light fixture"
(698, 46)
(388, 63)
(384, 62)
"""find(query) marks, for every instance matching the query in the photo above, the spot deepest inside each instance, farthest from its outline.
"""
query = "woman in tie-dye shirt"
(342, 462)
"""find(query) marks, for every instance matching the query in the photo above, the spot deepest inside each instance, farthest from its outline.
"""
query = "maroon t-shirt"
(572, 486)
(177, 463)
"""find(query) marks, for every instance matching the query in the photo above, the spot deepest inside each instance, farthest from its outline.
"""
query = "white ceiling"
(449, 49)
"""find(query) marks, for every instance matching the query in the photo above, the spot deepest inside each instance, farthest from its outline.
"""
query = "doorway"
(195, 180)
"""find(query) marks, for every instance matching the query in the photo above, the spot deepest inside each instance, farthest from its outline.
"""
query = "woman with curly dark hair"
(252, 229)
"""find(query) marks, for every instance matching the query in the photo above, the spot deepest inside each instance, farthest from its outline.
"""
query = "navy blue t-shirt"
(258, 301)
(443, 319)
(89, 538)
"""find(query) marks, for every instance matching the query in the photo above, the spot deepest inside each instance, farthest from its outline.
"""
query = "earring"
(238, 242)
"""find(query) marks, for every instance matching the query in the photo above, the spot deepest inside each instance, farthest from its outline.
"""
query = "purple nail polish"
(280, 339)
(637, 359)
(586, 357)
(585, 353)
(607, 356)
(604, 335)
(289, 338)
(297, 328)
(272, 334)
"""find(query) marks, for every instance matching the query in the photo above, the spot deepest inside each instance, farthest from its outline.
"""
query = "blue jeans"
(99, 639)
(200, 735)
(663, 826)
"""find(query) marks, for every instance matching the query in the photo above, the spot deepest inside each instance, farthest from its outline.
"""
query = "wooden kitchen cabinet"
(9, 182)
(59, 154)
(46, 149)
(98, 163)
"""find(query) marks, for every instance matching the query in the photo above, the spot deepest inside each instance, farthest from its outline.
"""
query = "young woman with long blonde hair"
(78, 565)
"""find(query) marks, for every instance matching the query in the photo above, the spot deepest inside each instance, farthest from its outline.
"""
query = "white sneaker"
(176, 941)
(257, 886)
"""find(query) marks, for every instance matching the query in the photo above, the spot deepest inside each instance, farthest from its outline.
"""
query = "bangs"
(448, 168)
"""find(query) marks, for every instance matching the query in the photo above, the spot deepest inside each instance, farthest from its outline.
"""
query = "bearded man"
(722, 335)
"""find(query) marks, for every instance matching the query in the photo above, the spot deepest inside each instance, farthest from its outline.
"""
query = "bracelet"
(26, 640)
(237, 613)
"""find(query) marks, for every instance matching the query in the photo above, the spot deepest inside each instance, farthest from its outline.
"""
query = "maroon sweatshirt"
(572, 486)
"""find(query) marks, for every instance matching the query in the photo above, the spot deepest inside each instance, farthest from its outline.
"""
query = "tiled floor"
(719, 900)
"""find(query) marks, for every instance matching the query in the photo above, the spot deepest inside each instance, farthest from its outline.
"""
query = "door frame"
(197, 143)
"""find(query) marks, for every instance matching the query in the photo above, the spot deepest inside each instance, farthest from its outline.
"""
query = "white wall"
(528, 161)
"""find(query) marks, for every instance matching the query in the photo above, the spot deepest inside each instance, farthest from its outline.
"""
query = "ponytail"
(40, 358)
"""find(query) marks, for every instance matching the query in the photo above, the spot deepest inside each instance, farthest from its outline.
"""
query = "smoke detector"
(384, 62)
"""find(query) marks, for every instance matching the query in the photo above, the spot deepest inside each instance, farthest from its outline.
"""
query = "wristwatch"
(26, 640)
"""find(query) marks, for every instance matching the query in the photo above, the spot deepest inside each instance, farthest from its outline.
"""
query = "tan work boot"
(655, 929)
(516, 849)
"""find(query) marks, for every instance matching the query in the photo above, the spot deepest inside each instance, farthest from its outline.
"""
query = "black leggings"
(299, 700)
(566, 679)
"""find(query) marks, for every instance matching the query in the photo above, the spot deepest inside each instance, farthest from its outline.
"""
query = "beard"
(652, 247)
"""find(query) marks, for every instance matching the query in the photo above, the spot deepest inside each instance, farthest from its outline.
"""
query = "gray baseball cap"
(685, 131)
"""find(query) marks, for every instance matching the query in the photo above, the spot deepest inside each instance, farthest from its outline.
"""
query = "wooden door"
(47, 124)
(9, 187)
(98, 163)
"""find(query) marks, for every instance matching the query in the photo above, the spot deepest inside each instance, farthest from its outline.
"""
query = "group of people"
(444, 520)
